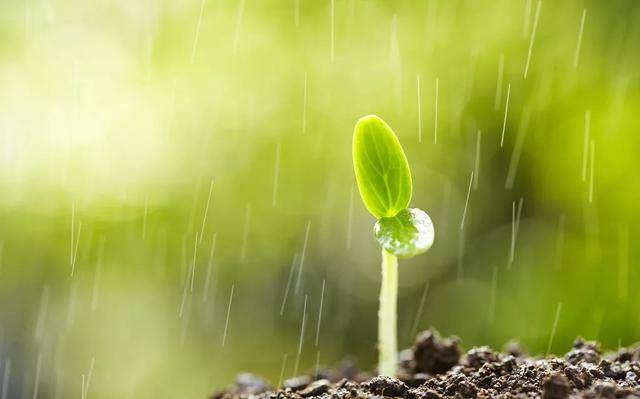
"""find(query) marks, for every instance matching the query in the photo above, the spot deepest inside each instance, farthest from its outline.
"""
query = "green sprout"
(384, 181)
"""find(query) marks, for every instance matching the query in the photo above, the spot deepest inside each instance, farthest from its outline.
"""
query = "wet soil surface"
(435, 367)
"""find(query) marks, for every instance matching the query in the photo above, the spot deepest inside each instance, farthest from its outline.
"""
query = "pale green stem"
(387, 335)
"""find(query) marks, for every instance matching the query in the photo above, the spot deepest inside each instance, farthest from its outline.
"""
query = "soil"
(435, 367)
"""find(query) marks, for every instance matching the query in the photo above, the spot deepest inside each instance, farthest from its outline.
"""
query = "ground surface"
(436, 368)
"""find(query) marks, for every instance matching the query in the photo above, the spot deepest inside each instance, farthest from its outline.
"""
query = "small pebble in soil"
(316, 388)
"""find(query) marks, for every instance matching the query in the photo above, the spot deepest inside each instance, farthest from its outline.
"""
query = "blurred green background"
(156, 155)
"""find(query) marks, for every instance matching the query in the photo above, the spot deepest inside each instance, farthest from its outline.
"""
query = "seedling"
(384, 181)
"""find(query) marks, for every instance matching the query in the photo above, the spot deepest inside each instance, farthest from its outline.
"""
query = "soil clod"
(386, 386)
(435, 355)
(477, 357)
(555, 386)
(584, 351)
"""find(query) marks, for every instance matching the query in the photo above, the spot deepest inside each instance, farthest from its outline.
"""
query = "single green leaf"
(382, 170)
(407, 234)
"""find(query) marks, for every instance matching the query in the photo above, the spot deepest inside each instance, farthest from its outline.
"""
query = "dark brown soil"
(436, 368)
